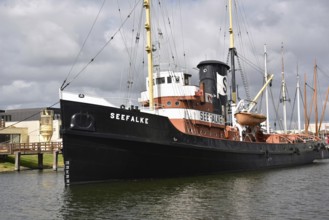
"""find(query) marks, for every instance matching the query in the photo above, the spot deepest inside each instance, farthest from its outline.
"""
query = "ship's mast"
(284, 98)
(266, 91)
(232, 53)
(315, 99)
(149, 51)
(307, 121)
(298, 104)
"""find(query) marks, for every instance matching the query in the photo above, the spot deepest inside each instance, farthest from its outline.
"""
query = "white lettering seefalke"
(129, 118)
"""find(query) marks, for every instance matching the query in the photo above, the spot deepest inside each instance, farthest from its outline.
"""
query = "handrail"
(34, 147)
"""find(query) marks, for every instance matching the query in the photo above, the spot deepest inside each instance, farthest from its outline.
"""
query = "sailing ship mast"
(284, 98)
(266, 92)
(315, 100)
(298, 104)
(307, 120)
(317, 125)
(232, 53)
(149, 51)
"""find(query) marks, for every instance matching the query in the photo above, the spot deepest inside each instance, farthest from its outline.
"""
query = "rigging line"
(182, 32)
(29, 117)
(122, 34)
(133, 58)
(226, 32)
(250, 37)
(293, 109)
(311, 105)
(239, 32)
(172, 47)
(243, 76)
(134, 55)
(287, 92)
(324, 73)
(129, 52)
(139, 75)
(244, 80)
(78, 55)
(35, 130)
(276, 110)
(220, 27)
(273, 104)
(174, 44)
(237, 23)
(102, 48)
(251, 64)
(319, 91)
(166, 23)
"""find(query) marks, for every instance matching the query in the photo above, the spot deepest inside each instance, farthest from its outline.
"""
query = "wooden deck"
(30, 148)
(38, 148)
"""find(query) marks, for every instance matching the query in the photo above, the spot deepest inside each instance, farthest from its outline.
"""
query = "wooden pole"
(17, 160)
(55, 160)
(40, 161)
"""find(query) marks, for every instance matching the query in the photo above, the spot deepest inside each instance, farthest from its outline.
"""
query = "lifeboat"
(251, 119)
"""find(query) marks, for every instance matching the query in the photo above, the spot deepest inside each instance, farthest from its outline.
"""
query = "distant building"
(27, 125)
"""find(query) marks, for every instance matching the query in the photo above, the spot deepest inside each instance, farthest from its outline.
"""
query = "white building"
(24, 126)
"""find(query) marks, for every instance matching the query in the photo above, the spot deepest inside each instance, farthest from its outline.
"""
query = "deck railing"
(30, 148)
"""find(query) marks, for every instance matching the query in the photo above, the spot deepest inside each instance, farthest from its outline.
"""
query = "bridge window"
(160, 80)
(186, 80)
(169, 79)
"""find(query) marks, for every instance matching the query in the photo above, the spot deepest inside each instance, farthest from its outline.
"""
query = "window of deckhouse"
(160, 80)
(186, 80)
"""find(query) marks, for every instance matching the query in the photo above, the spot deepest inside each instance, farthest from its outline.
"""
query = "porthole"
(177, 103)
(169, 103)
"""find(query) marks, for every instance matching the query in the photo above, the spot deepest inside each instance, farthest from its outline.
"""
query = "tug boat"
(178, 129)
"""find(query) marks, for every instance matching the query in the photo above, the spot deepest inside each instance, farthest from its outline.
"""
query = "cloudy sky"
(44, 42)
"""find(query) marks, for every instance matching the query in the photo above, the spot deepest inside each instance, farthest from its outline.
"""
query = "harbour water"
(289, 193)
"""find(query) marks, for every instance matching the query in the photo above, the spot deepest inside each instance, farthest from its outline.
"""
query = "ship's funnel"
(213, 75)
(46, 124)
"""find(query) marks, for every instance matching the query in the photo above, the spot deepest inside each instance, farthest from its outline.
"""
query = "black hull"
(98, 147)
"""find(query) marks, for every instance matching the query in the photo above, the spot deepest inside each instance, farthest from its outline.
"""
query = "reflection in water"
(182, 198)
(210, 197)
(251, 195)
(292, 193)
